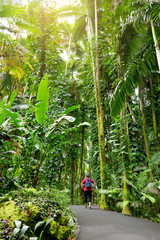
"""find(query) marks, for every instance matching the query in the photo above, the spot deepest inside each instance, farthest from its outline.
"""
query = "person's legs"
(85, 198)
(89, 195)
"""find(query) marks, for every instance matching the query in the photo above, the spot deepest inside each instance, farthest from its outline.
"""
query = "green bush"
(36, 206)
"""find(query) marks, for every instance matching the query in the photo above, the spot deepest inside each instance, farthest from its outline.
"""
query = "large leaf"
(23, 231)
(15, 231)
(71, 109)
(4, 106)
(43, 98)
(57, 122)
(84, 124)
(148, 197)
(18, 223)
(14, 117)
(39, 224)
(12, 97)
(144, 63)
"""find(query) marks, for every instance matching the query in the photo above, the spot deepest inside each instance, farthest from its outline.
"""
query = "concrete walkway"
(96, 224)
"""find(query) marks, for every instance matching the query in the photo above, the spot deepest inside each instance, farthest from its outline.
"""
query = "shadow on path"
(96, 224)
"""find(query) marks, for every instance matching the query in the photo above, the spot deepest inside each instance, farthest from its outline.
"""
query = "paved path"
(96, 224)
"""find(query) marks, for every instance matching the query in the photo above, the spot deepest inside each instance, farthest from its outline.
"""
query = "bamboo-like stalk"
(43, 45)
(65, 171)
(132, 115)
(125, 142)
(72, 170)
(95, 69)
(102, 154)
(126, 208)
(81, 163)
(154, 115)
(145, 134)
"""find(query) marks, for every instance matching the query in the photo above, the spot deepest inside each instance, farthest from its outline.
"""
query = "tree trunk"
(72, 167)
(132, 115)
(81, 163)
(102, 153)
(127, 170)
(154, 115)
(145, 134)
(65, 174)
(43, 46)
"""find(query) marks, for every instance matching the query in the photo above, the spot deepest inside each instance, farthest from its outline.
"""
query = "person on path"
(87, 185)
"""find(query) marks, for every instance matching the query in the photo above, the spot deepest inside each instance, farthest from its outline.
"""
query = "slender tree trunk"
(60, 176)
(72, 167)
(82, 153)
(43, 45)
(154, 116)
(132, 115)
(65, 173)
(102, 153)
(145, 134)
(127, 170)
(95, 68)
(43, 57)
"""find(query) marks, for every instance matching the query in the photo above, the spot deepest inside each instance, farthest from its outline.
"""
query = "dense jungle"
(79, 93)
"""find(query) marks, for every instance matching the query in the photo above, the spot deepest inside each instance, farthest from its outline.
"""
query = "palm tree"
(144, 59)
(12, 54)
(137, 60)
(141, 64)
(100, 118)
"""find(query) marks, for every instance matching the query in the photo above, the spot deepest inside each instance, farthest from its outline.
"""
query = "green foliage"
(19, 231)
(40, 209)
(48, 131)
(42, 98)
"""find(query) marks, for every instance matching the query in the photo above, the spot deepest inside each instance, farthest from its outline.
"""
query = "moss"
(9, 210)
(126, 210)
(103, 203)
(63, 233)
(33, 212)
(53, 227)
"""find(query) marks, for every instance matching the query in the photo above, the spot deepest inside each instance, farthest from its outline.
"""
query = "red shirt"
(84, 181)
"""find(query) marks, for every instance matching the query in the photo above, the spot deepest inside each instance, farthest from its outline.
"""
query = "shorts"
(87, 194)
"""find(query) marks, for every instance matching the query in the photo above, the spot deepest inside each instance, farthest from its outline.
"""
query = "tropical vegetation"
(79, 92)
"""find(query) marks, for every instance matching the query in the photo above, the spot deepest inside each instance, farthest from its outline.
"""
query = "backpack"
(88, 183)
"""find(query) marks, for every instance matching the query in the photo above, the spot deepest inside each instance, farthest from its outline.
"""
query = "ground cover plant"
(37, 209)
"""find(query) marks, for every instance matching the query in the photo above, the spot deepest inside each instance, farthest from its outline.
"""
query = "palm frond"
(129, 42)
(146, 11)
(79, 28)
(10, 11)
(144, 63)
(68, 11)
(4, 28)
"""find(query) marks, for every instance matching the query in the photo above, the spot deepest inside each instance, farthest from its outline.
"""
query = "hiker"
(87, 186)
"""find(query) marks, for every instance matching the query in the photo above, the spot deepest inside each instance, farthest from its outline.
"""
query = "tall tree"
(100, 117)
